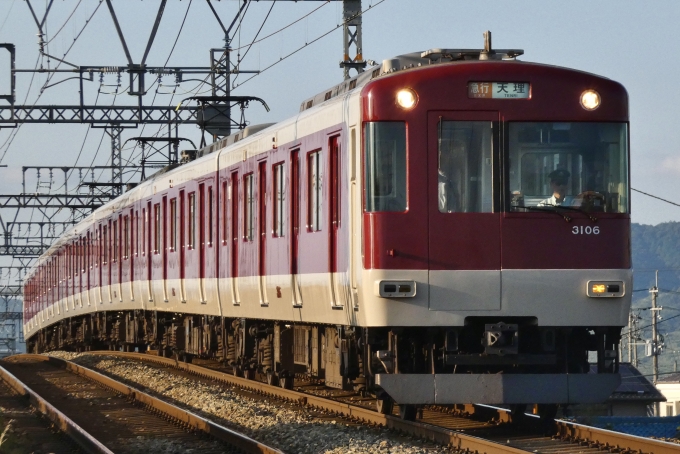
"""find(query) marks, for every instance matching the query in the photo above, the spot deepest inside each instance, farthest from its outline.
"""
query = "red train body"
(405, 245)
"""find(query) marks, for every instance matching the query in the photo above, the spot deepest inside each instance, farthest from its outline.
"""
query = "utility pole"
(655, 354)
(635, 331)
(630, 336)
(352, 37)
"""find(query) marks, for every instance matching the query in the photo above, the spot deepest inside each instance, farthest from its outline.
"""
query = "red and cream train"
(397, 235)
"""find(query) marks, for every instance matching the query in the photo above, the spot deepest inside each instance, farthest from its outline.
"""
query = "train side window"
(464, 158)
(210, 216)
(96, 253)
(225, 203)
(157, 228)
(279, 204)
(249, 208)
(148, 226)
(315, 191)
(88, 251)
(132, 236)
(114, 256)
(192, 220)
(385, 166)
(135, 236)
(105, 245)
(83, 254)
(126, 237)
(143, 237)
(173, 225)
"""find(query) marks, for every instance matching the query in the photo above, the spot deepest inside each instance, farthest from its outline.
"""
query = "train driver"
(559, 179)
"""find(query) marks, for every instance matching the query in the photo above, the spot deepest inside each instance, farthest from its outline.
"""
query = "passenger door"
(463, 211)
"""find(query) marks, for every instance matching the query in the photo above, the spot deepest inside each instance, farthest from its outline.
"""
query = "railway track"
(103, 415)
(24, 430)
(478, 429)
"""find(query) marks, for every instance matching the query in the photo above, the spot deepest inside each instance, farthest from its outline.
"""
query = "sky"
(627, 41)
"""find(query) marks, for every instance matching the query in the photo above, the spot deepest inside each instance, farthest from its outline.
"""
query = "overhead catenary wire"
(179, 32)
(7, 16)
(302, 47)
(15, 131)
(65, 22)
(285, 27)
(241, 57)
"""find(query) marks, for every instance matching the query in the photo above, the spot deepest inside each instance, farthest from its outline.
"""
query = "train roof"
(409, 61)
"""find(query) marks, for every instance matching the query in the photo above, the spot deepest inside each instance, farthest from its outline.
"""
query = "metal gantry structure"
(212, 114)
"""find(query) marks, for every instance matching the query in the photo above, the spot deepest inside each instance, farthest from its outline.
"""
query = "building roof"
(670, 378)
(634, 386)
(658, 427)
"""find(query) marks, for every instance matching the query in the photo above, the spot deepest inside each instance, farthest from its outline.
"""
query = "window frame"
(173, 225)
(279, 200)
(315, 186)
(211, 230)
(370, 200)
(249, 207)
(157, 229)
(191, 243)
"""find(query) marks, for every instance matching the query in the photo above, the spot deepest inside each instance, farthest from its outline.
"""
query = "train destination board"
(499, 90)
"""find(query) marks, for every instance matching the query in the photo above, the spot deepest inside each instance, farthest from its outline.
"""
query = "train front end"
(496, 230)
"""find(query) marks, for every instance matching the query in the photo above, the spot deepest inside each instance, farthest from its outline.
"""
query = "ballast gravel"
(293, 431)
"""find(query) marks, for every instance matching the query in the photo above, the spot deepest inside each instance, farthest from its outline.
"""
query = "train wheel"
(272, 379)
(384, 405)
(287, 382)
(249, 374)
(518, 413)
(547, 412)
(408, 412)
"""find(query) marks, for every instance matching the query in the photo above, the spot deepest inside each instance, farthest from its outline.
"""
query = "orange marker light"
(599, 288)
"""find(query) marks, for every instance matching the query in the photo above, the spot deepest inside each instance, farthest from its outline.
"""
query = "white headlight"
(590, 100)
(407, 98)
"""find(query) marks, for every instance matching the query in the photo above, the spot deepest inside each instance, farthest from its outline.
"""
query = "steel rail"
(616, 440)
(244, 443)
(60, 420)
(563, 429)
(440, 435)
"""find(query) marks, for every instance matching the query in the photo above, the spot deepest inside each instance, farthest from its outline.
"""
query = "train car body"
(397, 235)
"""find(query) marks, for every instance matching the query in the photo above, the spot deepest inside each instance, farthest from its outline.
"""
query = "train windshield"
(568, 165)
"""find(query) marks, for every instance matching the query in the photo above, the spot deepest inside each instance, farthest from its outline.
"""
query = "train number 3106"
(587, 230)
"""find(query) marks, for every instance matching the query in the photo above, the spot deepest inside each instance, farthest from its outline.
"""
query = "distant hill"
(657, 247)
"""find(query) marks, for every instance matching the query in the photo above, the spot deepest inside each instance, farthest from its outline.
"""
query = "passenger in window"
(559, 180)
(447, 178)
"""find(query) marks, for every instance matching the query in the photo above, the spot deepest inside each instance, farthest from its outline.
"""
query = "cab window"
(568, 165)
(385, 166)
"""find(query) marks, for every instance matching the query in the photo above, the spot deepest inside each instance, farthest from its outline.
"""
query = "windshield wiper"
(548, 209)
(580, 210)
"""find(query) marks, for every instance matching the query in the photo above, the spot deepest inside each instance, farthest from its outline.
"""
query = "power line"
(661, 321)
(287, 26)
(7, 145)
(240, 58)
(65, 22)
(302, 47)
(7, 17)
(655, 197)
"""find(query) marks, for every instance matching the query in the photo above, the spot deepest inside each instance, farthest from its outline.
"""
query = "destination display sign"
(499, 90)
